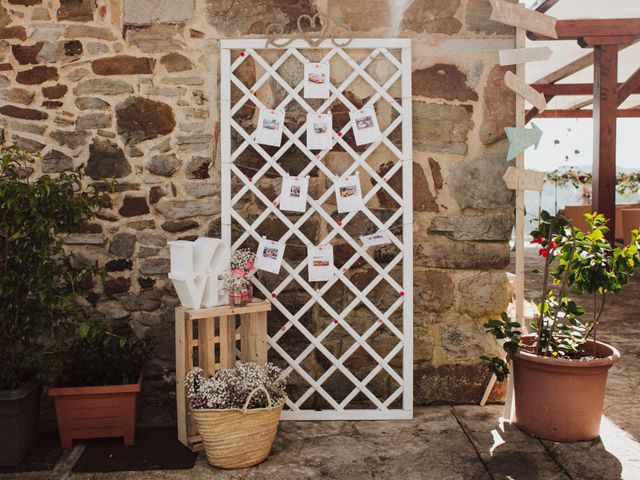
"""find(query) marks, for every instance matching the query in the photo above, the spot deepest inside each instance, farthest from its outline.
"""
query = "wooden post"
(605, 106)
(181, 371)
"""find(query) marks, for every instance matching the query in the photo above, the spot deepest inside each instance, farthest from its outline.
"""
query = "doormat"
(42, 457)
(155, 449)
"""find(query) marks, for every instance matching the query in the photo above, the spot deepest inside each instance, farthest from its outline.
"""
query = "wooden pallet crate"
(214, 338)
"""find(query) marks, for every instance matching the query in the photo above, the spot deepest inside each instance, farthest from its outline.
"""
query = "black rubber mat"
(155, 449)
(42, 457)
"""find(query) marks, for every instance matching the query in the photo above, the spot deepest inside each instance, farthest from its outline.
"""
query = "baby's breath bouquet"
(230, 387)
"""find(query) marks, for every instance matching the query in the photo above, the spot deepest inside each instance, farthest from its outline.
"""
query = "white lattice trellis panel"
(347, 342)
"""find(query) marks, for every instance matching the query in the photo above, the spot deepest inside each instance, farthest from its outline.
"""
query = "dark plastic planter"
(96, 412)
(19, 412)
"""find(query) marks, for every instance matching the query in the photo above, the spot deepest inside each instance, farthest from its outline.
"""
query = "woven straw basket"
(238, 438)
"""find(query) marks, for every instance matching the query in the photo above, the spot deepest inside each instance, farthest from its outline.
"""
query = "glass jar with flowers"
(237, 280)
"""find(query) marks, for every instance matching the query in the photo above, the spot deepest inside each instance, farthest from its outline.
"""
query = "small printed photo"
(295, 191)
(270, 124)
(320, 262)
(364, 122)
(271, 253)
(320, 127)
(317, 78)
(348, 191)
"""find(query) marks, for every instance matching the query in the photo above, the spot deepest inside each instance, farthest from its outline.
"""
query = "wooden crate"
(208, 338)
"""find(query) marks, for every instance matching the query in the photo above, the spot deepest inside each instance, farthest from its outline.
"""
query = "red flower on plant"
(544, 252)
(537, 240)
(553, 244)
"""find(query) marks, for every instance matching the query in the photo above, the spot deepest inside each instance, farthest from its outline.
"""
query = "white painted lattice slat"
(347, 343)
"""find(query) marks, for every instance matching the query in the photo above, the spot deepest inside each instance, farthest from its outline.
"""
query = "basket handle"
(253, 392)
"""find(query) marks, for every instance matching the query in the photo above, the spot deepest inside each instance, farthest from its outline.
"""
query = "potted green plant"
(38, 285)
(237, 412)
(100, 381)
(560, 370)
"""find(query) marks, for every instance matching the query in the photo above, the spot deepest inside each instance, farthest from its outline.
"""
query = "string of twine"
(302, 245)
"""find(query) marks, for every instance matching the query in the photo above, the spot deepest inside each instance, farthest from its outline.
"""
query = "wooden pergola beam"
(583, 88)
(545, 5)
(610, 27)
(605, 115)
(569, 69)
(621, 113)
(632, 85)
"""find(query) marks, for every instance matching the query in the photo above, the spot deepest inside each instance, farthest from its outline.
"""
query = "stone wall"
(129, 88)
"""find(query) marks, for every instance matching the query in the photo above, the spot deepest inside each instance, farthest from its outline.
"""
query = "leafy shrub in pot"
(39, 285)
(101, 377)
(562, 355)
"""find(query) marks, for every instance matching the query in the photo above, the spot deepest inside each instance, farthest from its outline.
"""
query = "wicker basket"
(238, 438)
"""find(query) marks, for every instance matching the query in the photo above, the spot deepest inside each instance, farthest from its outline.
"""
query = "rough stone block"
(499, 106)
(141, 119)
(55, 162)
(488, 227)
(25, 113)
(37, 75)
(143, 12)
(26, 54)
(165, 165)
(155, 266)
(91, 103)
(123, 244)
(55, 92)
(441, 252)
(441, 128)
(106, 160)
(17, 95)
(157, 38)
(442, 81)
(178, 209)
(483, 294)
(76, 10)
(92, 121)
(72, 140)
(433, 290)
(123, 65)
(432, 16)
(476, 17)
(478, 183)
(250, 17)
(102, 86)
(134, 206)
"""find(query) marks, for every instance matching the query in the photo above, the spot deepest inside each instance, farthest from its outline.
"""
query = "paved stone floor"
(446, 442)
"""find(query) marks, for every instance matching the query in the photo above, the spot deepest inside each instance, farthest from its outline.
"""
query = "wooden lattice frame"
(401, 163)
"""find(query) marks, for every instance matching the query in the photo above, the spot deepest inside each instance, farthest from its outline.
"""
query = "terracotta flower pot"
(96, 412)
(561, 400)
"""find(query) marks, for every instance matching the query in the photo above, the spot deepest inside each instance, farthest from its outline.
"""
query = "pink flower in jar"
(238, 273)
(249, 265)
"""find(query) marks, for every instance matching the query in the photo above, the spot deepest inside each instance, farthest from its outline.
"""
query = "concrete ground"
(446, 442)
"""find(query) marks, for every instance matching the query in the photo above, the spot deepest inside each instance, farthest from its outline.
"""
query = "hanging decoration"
(348, 194)
(522, 138)
(365, 126)
(319, 131)
(320, 263)
(378, 238)
(270, 127)
(269, 255)
(316, 80)
(293, 196)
